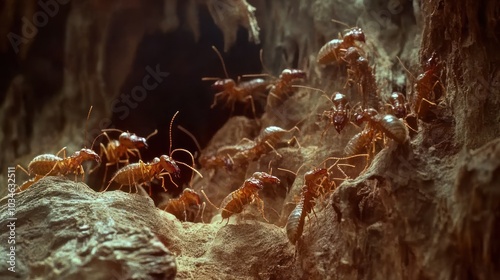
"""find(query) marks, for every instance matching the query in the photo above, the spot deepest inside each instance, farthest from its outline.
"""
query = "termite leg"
(22, 168)
(209, 201)
(252, 104)
(260, 204)
(420, 104)
(215, 99)
(271, 146)
(63, 150)
(294, 139)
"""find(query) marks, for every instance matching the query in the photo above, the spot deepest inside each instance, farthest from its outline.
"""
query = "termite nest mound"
(356, 145)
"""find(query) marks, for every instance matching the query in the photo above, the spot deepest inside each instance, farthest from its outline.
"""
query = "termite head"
(338, 98)
(224, 84)
(253, 185)
(169, 165)
(355, 34)
(398, 101)
(292, 74)
(266, 178)
(87, 154)
(315, 174)
(132, 141)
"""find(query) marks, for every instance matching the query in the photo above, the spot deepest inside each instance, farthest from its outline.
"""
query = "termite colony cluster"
(385, 119)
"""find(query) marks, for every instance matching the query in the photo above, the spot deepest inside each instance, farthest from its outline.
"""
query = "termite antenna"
(337, 159)
(192, 159)
(406, 69)
(152, 134)
(264, 67)
(306, 87)
(210, 79)
(341, 22)
(170, 133)
(86, 127)
(191, 136)
(290, 171)
(221, 60)
(209, 202)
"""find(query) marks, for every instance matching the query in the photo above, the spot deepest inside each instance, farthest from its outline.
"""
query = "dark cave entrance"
(183, 90)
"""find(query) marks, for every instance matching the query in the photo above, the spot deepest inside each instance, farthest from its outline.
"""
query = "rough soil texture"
(425, 209)
(65, 230)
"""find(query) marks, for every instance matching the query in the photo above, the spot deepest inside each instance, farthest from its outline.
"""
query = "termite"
(266, 140)
(280, 88)
(389, 125)
(52, 165)
(296, 219)
(182, 206)
(339, 114)
(136, 174)
(333, 51)
(246, 194)
(235, 156)
(398, 105)
(233, 92)
(359, 142)
(426, 90)
(361, 73)
(119, 151)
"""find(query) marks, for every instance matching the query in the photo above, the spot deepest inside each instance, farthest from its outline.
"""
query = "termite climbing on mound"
(136, 174)
(248, 193)
(52, 165)
(317, 183)
(296, 219)
(377, 125)
(427, 88)
(240, 156)
(340, 112)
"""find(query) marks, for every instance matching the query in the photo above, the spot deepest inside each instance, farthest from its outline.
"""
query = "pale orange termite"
(296, 219)
(51, 165)
(233, 92)
(119, 151)
(136, 174)
(185, 203)
(282, 87)
(234, 202)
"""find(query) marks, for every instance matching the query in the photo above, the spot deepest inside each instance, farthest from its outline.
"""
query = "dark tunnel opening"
(183, 90)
